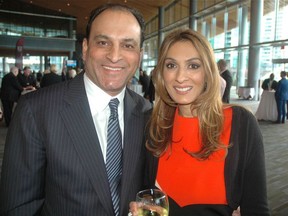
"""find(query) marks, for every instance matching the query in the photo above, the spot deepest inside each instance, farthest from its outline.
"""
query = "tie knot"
(113, 104)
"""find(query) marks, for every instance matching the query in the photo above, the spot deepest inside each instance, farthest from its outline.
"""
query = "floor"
(276, 152)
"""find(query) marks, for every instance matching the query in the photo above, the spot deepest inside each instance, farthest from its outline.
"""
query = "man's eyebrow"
(100, 36)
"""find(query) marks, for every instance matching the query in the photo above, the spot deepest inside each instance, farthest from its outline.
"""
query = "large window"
(25, 24)
(226, 25)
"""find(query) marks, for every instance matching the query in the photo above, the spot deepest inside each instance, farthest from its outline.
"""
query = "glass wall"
(26, 24)
(226, 25)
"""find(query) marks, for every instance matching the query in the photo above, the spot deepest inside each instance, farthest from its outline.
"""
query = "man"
(144, 80)
(71, 73)
(226, 75)
(269, 84)
(281, 96)
(10, 92)
(27, 79)
(55, 164)
(51, 78)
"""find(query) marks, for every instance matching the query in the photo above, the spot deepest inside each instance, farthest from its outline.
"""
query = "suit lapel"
(79, 123)
(133, 145)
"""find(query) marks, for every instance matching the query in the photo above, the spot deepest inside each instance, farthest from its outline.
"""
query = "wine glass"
(152, 202)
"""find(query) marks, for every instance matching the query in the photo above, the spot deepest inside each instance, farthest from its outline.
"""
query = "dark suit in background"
(50, 79)
(10, 92)
(26, 79)
(227, 76)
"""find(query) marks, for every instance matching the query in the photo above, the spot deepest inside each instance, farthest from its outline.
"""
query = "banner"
(19, 53)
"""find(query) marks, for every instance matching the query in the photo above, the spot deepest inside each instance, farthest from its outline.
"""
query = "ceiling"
(81, 8)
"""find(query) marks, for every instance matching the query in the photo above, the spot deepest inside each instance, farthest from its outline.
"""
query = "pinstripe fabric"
(114, 154)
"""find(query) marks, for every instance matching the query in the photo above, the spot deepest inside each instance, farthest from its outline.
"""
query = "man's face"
(27, 72)
(113, 53)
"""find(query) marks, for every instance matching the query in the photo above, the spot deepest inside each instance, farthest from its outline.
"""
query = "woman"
(211, 157)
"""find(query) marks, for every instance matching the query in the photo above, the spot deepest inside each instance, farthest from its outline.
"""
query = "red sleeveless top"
(187, 180)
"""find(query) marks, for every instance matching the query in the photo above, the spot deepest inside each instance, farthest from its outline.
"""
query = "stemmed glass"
(152, 202)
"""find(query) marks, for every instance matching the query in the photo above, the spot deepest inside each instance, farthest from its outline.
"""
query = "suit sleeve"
(16, 84)
(22, 180)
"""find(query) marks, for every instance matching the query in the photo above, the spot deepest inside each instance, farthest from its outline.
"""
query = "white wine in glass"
(152, 202)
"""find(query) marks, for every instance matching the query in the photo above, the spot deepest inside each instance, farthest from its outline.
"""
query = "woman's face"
(184, 75)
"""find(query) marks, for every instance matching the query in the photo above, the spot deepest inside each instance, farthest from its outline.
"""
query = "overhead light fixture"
(68, 4)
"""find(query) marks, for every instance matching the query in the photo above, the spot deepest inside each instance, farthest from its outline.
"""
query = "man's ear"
(141, 57)
(84, 48)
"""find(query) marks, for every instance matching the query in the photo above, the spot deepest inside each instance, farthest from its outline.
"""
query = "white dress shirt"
(98, 102)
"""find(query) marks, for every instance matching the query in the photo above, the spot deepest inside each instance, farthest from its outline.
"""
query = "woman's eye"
(194, 66)
(170, 65)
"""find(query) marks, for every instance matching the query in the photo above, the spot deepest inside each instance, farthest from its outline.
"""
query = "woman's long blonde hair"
(208, 105)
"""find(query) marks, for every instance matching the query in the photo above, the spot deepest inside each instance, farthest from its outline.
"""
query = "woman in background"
(211, 157)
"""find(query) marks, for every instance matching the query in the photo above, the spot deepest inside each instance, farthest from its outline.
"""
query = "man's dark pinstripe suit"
(53, 163)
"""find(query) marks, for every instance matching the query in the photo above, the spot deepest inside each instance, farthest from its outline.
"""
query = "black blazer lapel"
(134, 122)
(79, 123)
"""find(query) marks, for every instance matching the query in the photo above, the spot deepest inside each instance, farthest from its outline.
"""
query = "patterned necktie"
(114, 154)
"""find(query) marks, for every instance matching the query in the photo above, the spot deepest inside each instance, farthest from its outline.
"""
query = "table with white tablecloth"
(246, 92)
(267, 109)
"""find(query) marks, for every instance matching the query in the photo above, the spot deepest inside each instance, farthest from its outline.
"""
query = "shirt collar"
(99, 99)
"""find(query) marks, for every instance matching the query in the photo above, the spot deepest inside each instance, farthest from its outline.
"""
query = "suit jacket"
(10, 88)
(26, 80)
(50, 79)
(54, 165)
(282, 90)
(226, 75)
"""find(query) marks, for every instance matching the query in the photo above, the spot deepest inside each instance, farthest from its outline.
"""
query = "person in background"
(39, 77)
(71, 74)
(10, 93)
(287, 100)
(269, 84)
(50, 78)
(26, 79)
(55, 152)
(281, 96)
(144, 80)
(222, 86)
(211, 156)
(226, 75)
(150, 95)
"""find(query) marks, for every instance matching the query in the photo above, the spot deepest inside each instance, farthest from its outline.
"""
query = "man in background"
(26, 79)
(10, 93)
(226, 75)
(281, 96)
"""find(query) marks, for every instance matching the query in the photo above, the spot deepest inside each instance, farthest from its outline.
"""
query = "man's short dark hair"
(94, 13)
